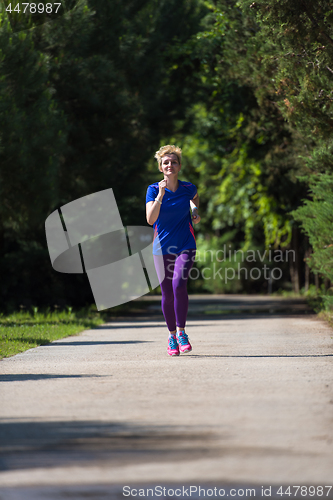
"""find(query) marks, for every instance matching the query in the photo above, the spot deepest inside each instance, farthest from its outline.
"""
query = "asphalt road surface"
(250, 407)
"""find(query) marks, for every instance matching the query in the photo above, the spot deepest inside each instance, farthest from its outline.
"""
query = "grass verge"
(20, 331)
(327, 316)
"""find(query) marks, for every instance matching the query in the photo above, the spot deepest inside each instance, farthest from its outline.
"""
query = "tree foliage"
(303, 77)
(316, 217)
(265, 125)
(83, 103)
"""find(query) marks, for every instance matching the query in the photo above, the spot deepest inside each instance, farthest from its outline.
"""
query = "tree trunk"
(294, 261)
(327, 283)
(307, 270)
(316, 281)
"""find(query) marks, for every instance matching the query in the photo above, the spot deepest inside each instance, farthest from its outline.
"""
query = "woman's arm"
(153, 207)
(194, 207)
(152, 211)
(195, 202)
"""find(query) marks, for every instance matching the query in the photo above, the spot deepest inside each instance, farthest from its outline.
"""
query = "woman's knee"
(168, 299)
(167, 295)
(179, 287)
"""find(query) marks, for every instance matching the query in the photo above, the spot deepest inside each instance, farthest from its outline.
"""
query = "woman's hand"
(153, 207)
(194, 207)
(162, 185)
(195, 216)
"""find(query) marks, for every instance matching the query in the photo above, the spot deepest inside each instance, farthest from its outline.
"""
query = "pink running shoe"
(183, 342)
(173, 349)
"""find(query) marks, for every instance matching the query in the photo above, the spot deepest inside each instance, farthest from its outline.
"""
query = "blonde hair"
(168, 150)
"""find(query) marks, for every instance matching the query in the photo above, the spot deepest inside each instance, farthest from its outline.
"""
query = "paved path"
(251, 405)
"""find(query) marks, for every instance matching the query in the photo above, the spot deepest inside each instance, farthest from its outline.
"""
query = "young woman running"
(168, 210)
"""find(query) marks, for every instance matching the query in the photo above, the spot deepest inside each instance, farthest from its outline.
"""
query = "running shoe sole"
(186, 350)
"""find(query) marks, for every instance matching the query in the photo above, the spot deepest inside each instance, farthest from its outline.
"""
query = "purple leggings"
(174, 287)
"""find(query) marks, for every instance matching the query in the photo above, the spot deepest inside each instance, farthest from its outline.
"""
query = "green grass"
(22, 330)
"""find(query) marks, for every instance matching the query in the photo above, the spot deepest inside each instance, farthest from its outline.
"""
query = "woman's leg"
(183, 265)
(167, 292)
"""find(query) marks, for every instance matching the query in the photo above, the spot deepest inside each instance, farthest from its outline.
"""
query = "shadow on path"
(39, 376)
(28, 445)
(98, 342)
(151, 322)
(260, 356)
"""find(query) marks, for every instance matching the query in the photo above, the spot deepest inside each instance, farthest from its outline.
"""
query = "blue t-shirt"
(174, 224)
